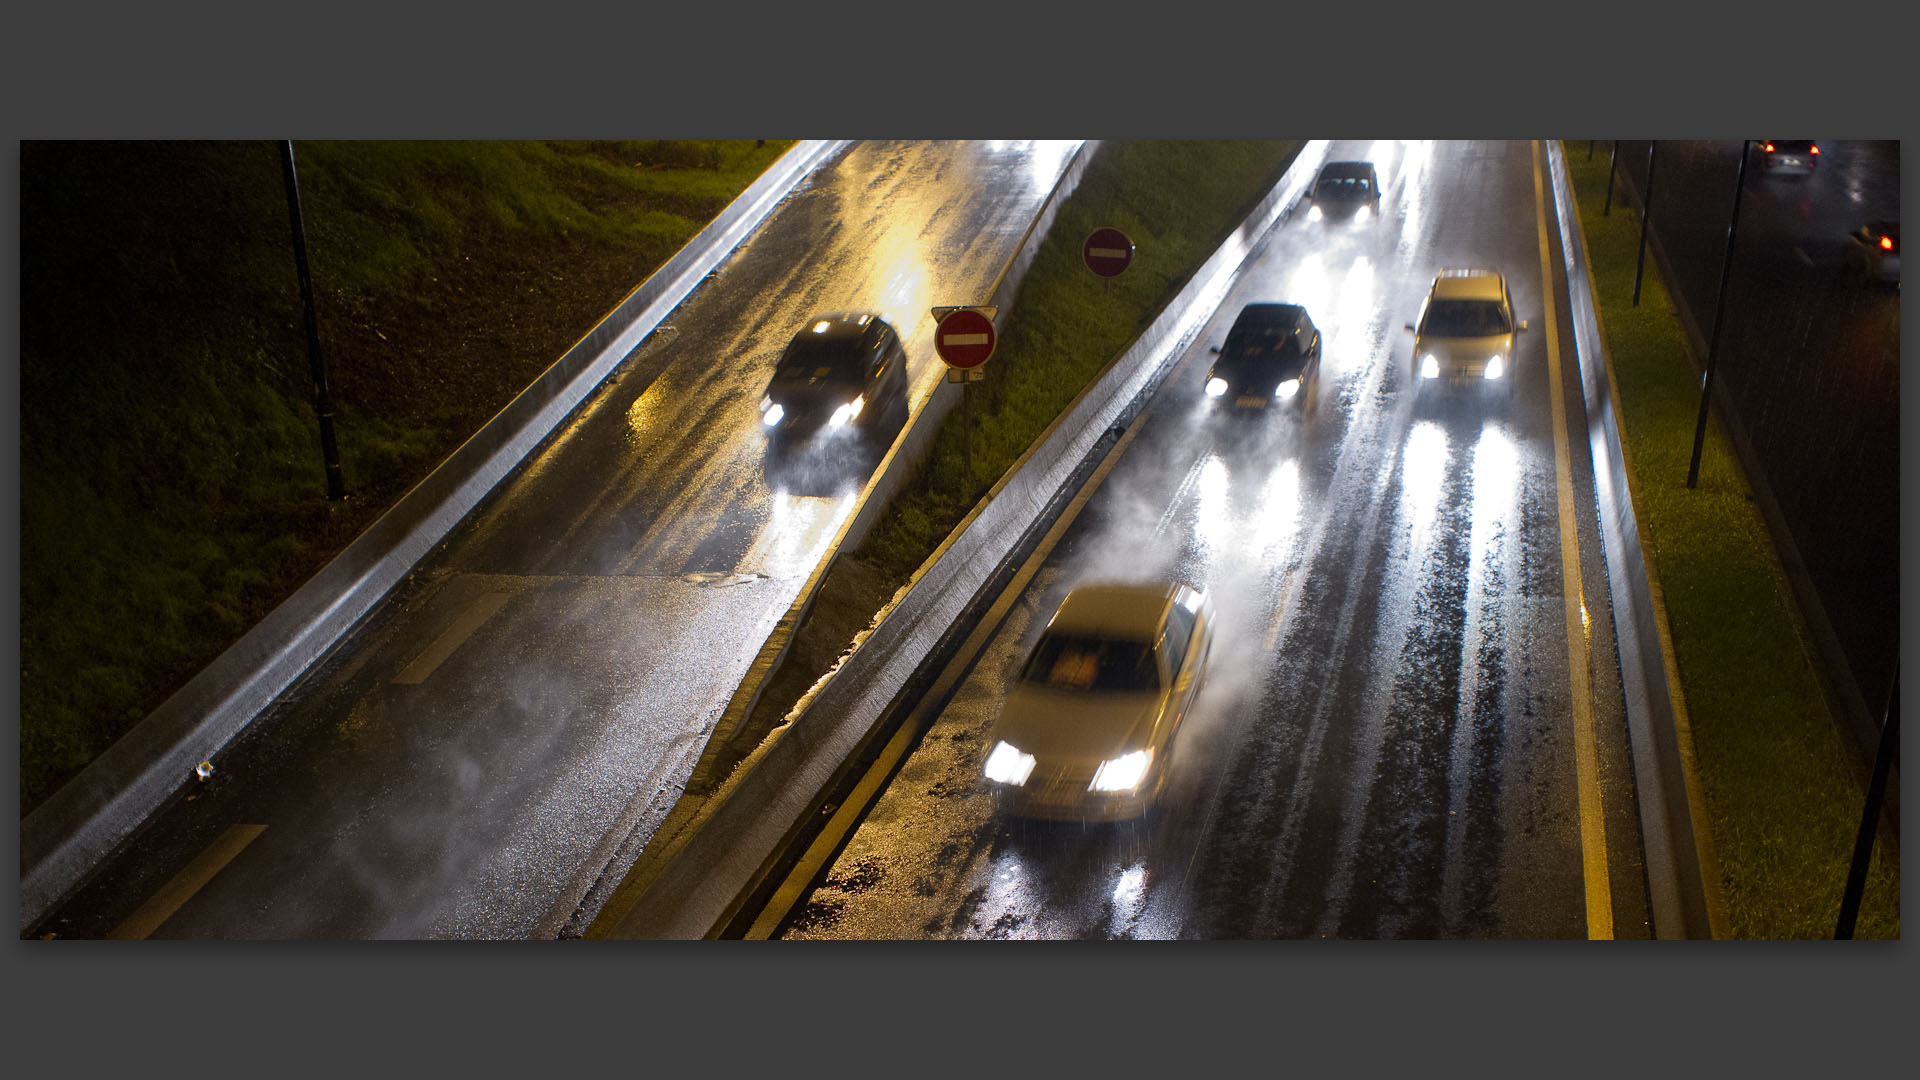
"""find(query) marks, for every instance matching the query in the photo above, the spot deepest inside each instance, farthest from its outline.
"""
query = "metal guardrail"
(64, 838)
(700, 879)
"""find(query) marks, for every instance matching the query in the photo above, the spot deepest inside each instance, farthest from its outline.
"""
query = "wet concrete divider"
(64, 838)
(1682, 877)
(705, 871)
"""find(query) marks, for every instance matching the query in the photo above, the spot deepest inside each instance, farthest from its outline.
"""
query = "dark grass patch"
(1783, 798)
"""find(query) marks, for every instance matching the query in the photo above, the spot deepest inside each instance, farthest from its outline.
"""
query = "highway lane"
(1392, 741)
(506, 729)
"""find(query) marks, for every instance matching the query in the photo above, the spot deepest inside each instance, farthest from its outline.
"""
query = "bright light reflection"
(1354, 307)
(1496, 492)
(1132, 886)
(798, 527)
(1042, 158)
(1413, 200)
(1422, 468)
(1309, 285)
(1213, 523)
(1278, 517)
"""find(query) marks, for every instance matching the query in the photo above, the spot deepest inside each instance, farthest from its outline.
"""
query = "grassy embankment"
(1783, 800)
(172, 491)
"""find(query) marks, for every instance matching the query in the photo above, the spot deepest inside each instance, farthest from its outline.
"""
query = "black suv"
(842, 371)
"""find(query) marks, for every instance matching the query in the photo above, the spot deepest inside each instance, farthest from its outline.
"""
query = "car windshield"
(1343, 187)
(1466, 318)
(1792, 146)
(1259, 339)
(814, 358)
(1079, 663)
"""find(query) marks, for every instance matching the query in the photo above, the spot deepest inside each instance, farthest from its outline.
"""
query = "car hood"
(1464, 349)
(1262, 368)
(1090, 725)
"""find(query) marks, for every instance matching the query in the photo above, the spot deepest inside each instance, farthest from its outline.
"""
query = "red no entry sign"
(1107, 252)
(964, 338)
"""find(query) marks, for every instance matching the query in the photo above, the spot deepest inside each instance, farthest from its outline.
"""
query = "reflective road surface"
(512, 723)
(1411, 725)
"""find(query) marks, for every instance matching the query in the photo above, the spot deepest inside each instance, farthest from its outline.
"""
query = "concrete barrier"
(64, 838)
(709, 868)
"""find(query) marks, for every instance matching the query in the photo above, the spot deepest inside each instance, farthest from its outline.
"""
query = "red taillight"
(1769, 148)
(1886, 243)
(1816, 149)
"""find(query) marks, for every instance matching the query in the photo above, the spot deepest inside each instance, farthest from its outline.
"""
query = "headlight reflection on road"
(1496, 491)
(1421, 470)
(1042, 158)
(798, 526)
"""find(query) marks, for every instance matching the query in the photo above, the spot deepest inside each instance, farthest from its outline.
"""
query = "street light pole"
(1613, 156)
(1870, 817)
(1646, 217)
(1719, 309)
(323, 398)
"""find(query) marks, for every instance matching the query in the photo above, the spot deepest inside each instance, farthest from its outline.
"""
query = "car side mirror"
(1215, 350)
(1410, 327)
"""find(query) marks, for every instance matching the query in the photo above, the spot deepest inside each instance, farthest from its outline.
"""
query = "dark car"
(1789, 155)
(1345, 188)
(840, 372)
(1873, 250)
(1271, 359)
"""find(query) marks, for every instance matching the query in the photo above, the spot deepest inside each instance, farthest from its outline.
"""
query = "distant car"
(1789, 155)
(841, 371)
(1873, 249)
(1086, 731)
(1271, 359)
(1463, 340)
(1345, 188)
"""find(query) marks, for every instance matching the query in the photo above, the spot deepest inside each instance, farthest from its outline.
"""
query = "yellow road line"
(800, 878)
(1586, 760)
(190, 880)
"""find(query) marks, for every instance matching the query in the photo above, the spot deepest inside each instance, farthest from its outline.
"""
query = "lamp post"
(1719, 310)
(1613, 156)
(322, 397)
(1646, 217)
(1870, 816)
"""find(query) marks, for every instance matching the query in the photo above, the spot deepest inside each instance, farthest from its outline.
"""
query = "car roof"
(1263, 314)
(1132, 612)
(1460, 283)
(1347, 168)
(840, 324)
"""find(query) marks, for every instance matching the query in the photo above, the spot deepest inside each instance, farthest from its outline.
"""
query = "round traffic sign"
(1107, 252)
(964, 338)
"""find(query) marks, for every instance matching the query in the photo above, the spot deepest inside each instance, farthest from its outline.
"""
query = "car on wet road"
(1087, 731)
(1788, 156)
(1873, 251)
(841, 372)
(1463, 340)
(1345, 189)
(1271, 359)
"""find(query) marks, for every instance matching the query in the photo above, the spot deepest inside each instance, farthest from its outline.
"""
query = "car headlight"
(773, 414)
(1216, 386)
(1313, 213)
(1008, 765)
(1496, 367)
(1429, 367)
(1363, 213)
(1122, 773)
(846, 412)
(1288, 389)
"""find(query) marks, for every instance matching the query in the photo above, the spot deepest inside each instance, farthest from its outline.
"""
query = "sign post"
(964, 338)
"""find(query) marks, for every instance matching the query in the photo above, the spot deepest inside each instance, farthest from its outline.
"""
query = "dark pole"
(323, 398)
(1870, 817)
(1612, 156)
(1589, 149)
(1646, 217)
(1719, 309)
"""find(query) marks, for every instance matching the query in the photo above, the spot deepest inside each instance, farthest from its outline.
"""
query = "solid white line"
(182, 886)
(470, 620)
(1586, 759)
(963, 339)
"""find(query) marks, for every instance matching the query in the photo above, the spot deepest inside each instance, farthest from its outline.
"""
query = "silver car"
(1463, 341)
(1086, 731)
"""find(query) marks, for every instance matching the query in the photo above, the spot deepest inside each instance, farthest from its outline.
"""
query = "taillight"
(1816, 149)
(1769, 148)
(1886, 243)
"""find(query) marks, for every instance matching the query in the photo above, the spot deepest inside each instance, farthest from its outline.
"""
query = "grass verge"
(1782, 797)
(172, 491)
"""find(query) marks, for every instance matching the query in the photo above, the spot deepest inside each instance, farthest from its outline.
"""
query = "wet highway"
(510, 725)
(1412, 725)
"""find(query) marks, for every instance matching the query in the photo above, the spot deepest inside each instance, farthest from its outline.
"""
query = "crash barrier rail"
(64, 838)
(1682, 879)
(709, 869)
